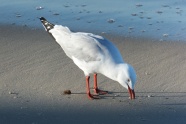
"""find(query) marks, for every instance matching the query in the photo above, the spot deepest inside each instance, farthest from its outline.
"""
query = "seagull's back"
(88, 51)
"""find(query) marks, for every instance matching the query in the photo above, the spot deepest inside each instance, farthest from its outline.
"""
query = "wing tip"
(47, 25)
(42, 19)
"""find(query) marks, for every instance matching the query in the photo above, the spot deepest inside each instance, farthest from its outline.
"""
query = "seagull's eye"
(128, 80)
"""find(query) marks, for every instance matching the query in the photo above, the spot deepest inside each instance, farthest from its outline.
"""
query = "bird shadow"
(156, 94)
(118, 94)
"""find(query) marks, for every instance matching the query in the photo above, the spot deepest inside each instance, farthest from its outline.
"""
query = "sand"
(34, 72)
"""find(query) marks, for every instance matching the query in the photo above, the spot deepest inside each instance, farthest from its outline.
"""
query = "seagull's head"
(127, 78)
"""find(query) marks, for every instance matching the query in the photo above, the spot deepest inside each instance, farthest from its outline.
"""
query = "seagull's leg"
(96, 90)
(90, 96)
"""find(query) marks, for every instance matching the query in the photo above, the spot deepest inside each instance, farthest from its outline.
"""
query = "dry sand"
(34, 71)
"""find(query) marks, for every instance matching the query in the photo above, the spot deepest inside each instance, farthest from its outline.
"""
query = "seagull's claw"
(91, 97)
(100, 92)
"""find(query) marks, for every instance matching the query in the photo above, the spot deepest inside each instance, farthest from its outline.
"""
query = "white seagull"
(93, 54)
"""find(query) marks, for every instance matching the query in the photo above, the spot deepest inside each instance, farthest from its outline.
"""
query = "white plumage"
(93, 54)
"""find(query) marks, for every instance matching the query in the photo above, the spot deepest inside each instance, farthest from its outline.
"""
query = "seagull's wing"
(84, 47)
(78, 45)
(89, 47)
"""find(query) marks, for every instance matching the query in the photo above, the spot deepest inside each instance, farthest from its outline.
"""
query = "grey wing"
(85, 49)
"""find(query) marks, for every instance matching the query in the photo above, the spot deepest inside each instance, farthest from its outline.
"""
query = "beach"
(34, 72)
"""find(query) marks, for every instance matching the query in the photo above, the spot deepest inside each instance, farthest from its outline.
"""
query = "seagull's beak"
(131, 93)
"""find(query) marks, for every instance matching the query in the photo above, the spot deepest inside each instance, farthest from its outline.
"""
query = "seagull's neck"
(112, 71)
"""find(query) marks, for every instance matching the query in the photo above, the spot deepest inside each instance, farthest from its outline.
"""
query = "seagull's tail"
(47, 25)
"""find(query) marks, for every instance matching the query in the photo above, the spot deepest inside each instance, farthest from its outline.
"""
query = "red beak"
(131, 93)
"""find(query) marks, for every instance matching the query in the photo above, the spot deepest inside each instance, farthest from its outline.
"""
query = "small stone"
(18, 15)
(149, 96)
(134, 14)
(139, 5)
(120, 25)
(66, 92)
(12, 93)
(39, 8)
(147, 73)
(110, 20)
(56, 14)
(159, 12)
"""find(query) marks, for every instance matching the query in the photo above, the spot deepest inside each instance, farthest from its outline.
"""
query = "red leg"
(90, 96)
(96, 90)
(95, 82)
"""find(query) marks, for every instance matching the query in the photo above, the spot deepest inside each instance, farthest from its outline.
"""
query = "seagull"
(93, 54)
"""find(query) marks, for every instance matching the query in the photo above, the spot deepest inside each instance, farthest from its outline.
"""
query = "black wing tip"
(42, 19)
(47, 25)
